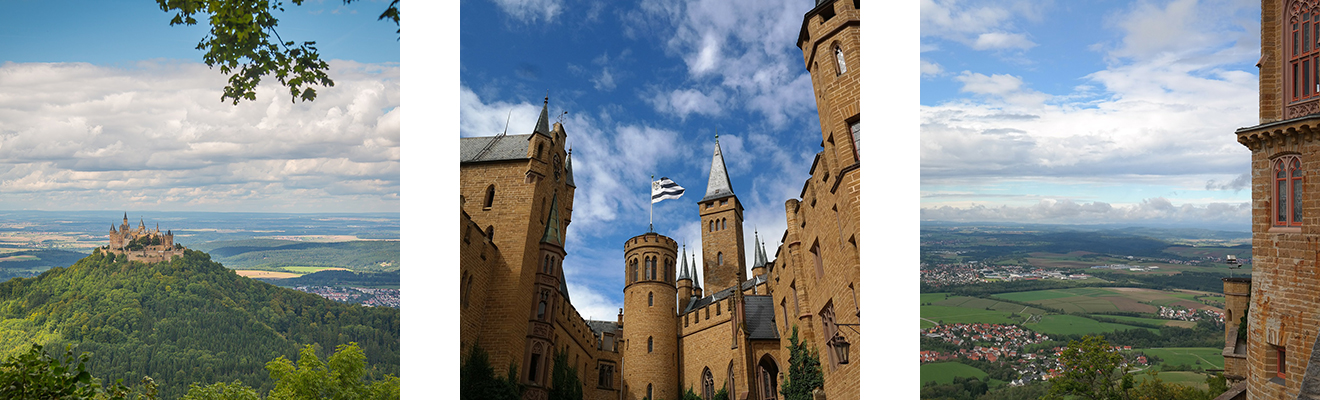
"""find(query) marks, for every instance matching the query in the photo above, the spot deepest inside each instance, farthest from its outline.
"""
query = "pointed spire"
(718, 185)
(696, 283)
(553, 232)
(568, 167)
(758, 252)
(543, 123)
(683, 266)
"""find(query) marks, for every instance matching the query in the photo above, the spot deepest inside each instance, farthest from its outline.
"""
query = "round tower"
(651, 336)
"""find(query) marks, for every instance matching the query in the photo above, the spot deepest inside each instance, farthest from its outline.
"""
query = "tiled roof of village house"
(508, 147)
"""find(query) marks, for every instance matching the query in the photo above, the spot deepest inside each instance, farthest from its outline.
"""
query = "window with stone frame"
(1288, 174)
(1303, 54)
(606, 376)
(1281, 362)
(707, 384)
(840, 64)
(830, 329)
(490, 197)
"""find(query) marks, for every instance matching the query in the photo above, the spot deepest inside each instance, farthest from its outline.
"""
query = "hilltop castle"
(673, 334)
(141, 244)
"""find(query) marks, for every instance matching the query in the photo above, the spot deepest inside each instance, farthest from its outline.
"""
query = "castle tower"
(684, 282)
(1237, 295)
(696, 283)
(651, 336)
(721, 227)
(759, 261)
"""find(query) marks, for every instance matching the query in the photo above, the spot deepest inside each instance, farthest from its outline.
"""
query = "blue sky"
(1087, 112)
(647, 86)
(106, 106)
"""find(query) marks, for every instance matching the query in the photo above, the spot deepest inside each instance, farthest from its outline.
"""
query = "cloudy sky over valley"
(113, 109)
(1087, 112)
(647, 86)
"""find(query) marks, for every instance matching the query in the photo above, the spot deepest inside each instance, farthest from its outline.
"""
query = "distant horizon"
(1226, 227)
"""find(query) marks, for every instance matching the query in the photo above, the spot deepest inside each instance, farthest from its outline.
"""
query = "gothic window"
(769, 373)
(490, 197)
(650, 299)
(634, 270)
(538, 150)
(648, 392)
(1304, 55)
(719, 259)
(490, 232)
(707, 385)
(827, 323)
(724, 223)
(531, 370)
(838, 59)
(815, 255)
(540, 310)
(669, 270)
(730, 383)
(650, 344)
(1288, 191)
(606, 376)
(711, 228)
(855, 128)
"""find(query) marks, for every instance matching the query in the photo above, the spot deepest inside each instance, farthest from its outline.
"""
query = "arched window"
(634, 270)
(769, 374)
(719, 258)
(490, 232)
(711, 228)
(538, 150)
(707, 385)
(669, 269)
(724, 223)
(545, 264)
(1303, 54)
(1288, 191)
(650, 299)
(490, 196)
(648, 392)
(540, 310)
(838, 59)
(650, 344)
(730, 383)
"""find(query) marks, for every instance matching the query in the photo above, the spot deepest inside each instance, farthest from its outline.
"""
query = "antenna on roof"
(561, 117)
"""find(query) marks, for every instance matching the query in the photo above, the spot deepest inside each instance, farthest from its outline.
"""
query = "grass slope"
(1071, 324)
(945, 372)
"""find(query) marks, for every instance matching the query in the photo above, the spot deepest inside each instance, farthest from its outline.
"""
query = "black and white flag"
(665, 189)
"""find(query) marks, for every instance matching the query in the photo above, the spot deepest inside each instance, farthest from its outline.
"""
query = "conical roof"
(553, 232)
(759, 252)
(683, 266)
(568, 168)
(543, 123)
(718, 185)
(696, 283)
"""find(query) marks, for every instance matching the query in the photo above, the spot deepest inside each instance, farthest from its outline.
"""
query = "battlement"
(650, 239)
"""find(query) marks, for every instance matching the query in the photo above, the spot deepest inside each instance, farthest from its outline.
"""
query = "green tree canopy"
(244, 43)
(804, 374)
(1091, 370)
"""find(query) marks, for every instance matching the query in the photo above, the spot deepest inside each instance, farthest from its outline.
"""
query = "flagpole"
(651, 223)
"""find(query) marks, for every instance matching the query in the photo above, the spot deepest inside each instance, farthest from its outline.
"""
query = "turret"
(758, 265)
(651, 334)
(721, 227)
(696, 283)
(684, 282)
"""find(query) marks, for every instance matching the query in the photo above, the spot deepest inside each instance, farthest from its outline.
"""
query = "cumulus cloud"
(742, 49)
(979, 25)
(929, 68)
(76, 135)
(1186, 27)
(681, 102)
(531, 11)
(1242, 181)
(1157, 209)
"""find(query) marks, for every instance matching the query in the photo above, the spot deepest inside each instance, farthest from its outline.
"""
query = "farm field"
(944, 372)
(1208, 357)
(961, 315)
(1099, 300)
(1071, 324)
(251, 273)
(1185, 378)
(1085, 262)
(308, 270)
(1156, 321)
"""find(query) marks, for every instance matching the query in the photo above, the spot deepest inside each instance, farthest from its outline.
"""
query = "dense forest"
(46, 258)
(271, 254)
(184, 321)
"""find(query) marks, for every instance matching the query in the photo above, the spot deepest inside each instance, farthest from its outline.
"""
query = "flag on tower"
(665, 189)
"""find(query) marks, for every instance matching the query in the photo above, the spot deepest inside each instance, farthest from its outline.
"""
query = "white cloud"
(75, 135)
(929, 68)
(1157, 209)
(681, 102)
(743, 50)
(1185, 27)
(1000, 40)
(530, 11)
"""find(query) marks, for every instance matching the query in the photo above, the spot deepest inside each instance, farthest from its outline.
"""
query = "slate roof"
(760, 317)
(723, 294)
(606, 326)
(507, 147)
(568, 168)
(719, 185)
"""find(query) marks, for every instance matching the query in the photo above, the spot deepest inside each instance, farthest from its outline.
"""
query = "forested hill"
(188, 320)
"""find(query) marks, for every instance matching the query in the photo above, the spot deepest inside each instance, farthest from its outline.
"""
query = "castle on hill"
(141, 244)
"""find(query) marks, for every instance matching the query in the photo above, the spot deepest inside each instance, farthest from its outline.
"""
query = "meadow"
(944, 372)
